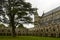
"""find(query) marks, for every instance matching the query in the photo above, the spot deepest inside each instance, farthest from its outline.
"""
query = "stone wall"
(50, 30)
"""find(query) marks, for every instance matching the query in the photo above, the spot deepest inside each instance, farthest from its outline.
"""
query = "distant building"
(52, 16)
(49, 23)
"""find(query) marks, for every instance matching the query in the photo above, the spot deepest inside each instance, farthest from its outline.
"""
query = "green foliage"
(17, 7)
(23, 10)
(20, 26)
(1, 25)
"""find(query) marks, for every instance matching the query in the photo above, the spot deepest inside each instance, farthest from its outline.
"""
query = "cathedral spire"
(36, 19)
(43, 13)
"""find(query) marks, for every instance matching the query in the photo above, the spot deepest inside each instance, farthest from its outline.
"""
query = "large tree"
(18, 12)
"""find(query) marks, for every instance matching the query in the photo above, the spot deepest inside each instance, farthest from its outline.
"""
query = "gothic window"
(8, 30)
(53, 29)
(2, 30)
(51, 34)
(41, 30)
(37, 30)
(18, 31)
(47, 30)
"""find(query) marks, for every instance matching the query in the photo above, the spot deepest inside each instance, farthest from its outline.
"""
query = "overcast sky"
(44, 5)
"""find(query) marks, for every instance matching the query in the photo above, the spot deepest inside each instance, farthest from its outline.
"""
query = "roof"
(52, 11)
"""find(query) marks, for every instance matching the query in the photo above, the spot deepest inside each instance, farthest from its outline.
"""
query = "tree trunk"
(13, 25)
(11, 16)
(13, 31)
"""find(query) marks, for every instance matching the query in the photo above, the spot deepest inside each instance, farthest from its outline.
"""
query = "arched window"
(53, 29)
(2, 30)
(41, 30)
(8, 30)
(47, 30)
(51, 34)
(18, 31)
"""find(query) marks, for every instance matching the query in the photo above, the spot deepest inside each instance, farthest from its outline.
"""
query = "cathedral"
(46, 25)
(49, 23)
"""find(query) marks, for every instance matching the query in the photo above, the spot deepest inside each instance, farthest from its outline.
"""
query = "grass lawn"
(27, 38)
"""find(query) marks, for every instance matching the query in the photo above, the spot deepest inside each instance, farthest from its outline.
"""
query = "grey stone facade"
(49, 23)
